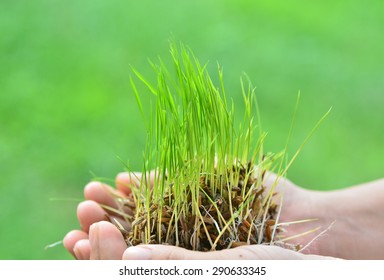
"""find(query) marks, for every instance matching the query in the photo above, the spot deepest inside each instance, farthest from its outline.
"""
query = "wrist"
(358, 221)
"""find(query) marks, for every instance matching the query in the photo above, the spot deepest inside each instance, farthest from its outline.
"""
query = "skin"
(351, 222)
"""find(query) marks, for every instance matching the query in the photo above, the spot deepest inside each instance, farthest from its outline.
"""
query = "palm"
(297, 211)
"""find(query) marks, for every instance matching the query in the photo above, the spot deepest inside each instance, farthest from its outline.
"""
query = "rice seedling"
(206, 191)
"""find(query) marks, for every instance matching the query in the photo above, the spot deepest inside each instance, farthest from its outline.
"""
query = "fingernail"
(93, 227)
(94, 233)
(94, 240)
(137, 253)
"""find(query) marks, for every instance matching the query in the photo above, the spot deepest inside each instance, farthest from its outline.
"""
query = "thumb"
(165, 252)
(106, 242)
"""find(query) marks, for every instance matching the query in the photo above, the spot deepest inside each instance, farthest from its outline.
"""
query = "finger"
(88, 213)
(164, 252)
(82, 249)
(109, 199)
(106, 242)
(279, 182)
(126, 180)
(71, 238)
(284, 188)
(102, 193)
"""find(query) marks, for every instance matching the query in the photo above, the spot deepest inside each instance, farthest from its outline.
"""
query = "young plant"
(206, 191)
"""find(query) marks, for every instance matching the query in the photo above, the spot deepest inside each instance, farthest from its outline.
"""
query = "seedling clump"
(206, 190)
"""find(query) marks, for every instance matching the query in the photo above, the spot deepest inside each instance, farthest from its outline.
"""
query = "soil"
(216, 222)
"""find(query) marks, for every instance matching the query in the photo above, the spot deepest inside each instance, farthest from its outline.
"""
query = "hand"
(355, 211)
(89, 212)
(95, 228)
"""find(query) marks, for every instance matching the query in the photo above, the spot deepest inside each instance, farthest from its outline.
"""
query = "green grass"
(207, 191)
(66, 106)
(207, 168)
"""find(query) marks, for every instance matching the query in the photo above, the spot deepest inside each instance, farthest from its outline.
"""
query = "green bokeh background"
(66, 106)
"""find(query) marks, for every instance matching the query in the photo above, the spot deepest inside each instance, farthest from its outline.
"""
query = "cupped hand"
(99, 239)
(90, 212)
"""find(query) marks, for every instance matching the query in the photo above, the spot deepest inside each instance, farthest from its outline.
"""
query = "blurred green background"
(66, 106)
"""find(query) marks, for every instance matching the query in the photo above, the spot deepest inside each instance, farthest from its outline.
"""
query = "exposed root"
(230, 217)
